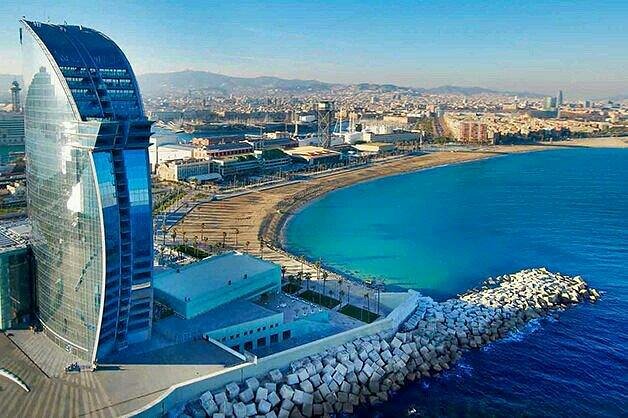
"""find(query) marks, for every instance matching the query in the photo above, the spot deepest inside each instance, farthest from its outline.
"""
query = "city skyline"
(538, 48)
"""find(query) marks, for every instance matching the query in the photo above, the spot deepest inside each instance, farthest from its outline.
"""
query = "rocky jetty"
(367, 370)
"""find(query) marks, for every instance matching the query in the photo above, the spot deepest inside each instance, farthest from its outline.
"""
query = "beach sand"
(261, 214)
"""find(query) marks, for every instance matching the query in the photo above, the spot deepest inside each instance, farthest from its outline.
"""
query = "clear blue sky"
(541, 46)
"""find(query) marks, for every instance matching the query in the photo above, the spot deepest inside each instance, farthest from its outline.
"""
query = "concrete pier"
(368, 370)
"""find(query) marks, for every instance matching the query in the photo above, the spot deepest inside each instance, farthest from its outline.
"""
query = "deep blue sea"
(446, 229)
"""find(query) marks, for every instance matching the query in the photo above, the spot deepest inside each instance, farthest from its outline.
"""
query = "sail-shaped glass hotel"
(89, 193)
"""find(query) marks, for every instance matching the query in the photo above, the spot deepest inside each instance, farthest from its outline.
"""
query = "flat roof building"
(314, 155)
(215, 281)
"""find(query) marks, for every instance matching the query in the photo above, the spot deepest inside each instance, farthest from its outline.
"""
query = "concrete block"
(261, 395)
(316, 380)
(297, 398)
(264, 407)
(246, 395)
(232, 390)
(274, 399)
(252, 383)
(239, 410)
(271, 387)
(286, 392)
(302, 374)
(292, 379)
(287, 405)
(275, 375)
(220, 398)
(306, 386)
(251, 409)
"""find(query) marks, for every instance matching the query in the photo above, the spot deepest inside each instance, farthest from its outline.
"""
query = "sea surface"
(444, 230)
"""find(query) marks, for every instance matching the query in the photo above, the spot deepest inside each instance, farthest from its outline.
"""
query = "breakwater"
(369, 369)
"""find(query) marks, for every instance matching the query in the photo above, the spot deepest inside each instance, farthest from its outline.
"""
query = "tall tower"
(15, 96)
(559, 99)
(325, 116)
(89, 194)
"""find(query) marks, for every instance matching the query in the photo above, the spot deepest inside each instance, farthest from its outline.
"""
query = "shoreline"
(278, 233)
(247, 220)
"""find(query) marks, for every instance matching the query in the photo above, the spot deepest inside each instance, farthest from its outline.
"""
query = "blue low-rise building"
(215, 281)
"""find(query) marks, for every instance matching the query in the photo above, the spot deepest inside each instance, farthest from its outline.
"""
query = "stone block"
(287, 405)
(274, 399)
(251, 409)
(264, 407)
(275, 375)
(261, 395)
(286, 392)
(292, 379)
(297, 398)
(306, 386)
(246, 395)
(252, 383)
(239, 410)
(302, 374)
(232, 390)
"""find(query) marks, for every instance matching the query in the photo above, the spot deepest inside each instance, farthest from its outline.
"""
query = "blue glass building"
(89, 196)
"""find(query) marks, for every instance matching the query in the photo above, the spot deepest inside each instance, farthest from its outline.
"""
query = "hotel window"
(248, 345)
(286, 334)
(274, 338)
(261, 342)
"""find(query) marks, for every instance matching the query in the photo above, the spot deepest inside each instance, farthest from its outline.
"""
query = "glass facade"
(15, 286)
(89, 195)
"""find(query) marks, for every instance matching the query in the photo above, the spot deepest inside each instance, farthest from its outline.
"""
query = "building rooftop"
(182, 147)
(234, 313)
(311, 151)
(229, 146)
(193, 278)
(14, 234)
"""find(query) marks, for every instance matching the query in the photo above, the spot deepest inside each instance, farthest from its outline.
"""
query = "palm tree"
(246, 244)
(224, 238)
(308, 277)
(174, 236)
(340, 282)
(283, 272)
(368, 303)
(196, 245)
(325, 274)
(202, 230)
(237, 231)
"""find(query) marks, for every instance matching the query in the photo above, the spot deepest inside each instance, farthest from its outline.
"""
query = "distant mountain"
(159, 83)
(156, 84)
(182, 81)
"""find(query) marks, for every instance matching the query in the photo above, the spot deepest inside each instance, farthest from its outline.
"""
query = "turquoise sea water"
(444, 230)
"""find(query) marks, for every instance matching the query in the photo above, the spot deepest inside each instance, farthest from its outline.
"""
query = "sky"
(580, 47)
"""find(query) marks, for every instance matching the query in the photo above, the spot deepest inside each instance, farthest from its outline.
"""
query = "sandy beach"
(258, 215)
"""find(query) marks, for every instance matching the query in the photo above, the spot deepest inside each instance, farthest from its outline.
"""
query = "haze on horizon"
(577, 46)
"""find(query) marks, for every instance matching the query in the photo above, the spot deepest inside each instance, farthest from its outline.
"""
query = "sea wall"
(368, 369)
